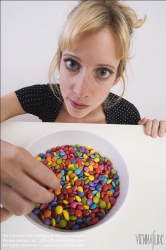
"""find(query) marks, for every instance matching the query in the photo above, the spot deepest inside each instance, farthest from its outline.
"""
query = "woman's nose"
(82, 86)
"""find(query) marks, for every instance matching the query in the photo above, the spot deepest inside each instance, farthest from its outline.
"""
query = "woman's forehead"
(98, 44)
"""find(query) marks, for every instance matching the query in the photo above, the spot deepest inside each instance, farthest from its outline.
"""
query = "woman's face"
(88, 71)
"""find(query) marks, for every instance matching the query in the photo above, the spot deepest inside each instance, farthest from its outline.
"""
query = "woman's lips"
(79, 106)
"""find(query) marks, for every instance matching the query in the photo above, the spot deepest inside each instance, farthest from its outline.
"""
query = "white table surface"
(143, 212)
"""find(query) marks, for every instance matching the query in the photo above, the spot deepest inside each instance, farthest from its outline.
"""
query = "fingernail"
(161, 134)
(148, 133)
(154, 134)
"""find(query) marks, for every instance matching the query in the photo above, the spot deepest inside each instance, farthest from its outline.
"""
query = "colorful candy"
(89, 187)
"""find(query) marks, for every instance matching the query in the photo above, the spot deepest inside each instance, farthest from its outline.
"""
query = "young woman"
(92, 53)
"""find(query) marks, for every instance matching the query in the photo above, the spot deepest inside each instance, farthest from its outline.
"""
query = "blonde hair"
(93, 16)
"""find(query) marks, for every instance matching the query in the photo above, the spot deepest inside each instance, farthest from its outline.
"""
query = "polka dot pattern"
(39, 100)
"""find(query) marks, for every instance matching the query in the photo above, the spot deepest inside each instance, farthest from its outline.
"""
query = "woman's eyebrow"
(67, 54)
(98, 65)
(106, 65)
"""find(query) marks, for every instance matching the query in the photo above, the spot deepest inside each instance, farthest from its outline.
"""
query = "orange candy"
(47, 213)
(109, 193)
(57, 191)
(59, 176)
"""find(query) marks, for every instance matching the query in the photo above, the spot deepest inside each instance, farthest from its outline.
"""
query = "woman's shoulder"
(120, 111)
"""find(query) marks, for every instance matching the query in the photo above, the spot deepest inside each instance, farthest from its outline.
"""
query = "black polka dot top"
(39, 100)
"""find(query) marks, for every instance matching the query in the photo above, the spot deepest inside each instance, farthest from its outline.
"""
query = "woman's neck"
(97, 116)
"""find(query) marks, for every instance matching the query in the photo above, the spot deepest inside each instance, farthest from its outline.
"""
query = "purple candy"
(86, 186)
(92, 188)
(47, 221)
(96, 181)
(89, 202)
(48, 207)
(55, 198)
(41, 155)
(91, 184)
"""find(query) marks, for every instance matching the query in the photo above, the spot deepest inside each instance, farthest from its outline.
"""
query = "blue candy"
(75, 227)
(36, 211)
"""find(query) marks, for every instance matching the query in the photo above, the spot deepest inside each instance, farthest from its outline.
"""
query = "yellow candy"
(80, 189)
(58, 209)
(68, 186)
(91, 177)
(53, 222)
(55, 153)
(87, 147)
(67, 177)
(91, 168)
(86, 173)
(75, 178)
(38, 158)
(96, 160)
(108, 205)
(101, 154)
(49, 163)
(92, 151)
(65, 202)
(86, 207)
(85, 156)
(109, 181)
(71, 166)
(66, 215)
(77, 198)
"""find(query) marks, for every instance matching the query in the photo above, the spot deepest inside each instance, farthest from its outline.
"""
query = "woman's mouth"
(79, 106)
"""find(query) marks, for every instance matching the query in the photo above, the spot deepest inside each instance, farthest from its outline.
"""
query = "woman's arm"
(10, 107)
(22, 176)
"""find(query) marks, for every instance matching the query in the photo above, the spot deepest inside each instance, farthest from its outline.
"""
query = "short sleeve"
(40, 101)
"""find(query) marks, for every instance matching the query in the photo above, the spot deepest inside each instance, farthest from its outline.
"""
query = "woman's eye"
(71, 64)
(104, 73)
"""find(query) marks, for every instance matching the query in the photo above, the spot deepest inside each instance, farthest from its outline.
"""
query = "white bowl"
(71, 137)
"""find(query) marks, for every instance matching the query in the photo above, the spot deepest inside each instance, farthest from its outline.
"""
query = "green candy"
(117, 182)
(37, 205)
(113, 171)
(69, 172)
(59, 161)
(84, 200)
(86, 181)
(102, 204)
(96, 199)
(77, 146)
(57, 166)
(86, 163)
(79, 153)
(73, 217)
(62, 223)
(98, 195)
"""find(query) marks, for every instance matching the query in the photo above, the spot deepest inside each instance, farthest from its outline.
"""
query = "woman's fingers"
(155, 126)
(30, 189)
(142, 121)
(148, 127)
(162, 128)
(14, 203)
(4, 214)
(36, 169)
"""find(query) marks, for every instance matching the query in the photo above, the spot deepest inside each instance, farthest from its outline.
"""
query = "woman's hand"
(22, 181)
(153, 127)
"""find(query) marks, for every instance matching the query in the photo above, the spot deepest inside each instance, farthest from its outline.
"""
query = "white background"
(29, 40)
